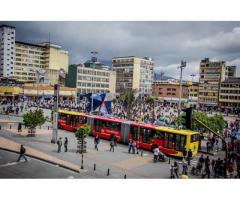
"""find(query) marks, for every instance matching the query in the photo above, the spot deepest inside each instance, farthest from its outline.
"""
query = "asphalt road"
(34, 168)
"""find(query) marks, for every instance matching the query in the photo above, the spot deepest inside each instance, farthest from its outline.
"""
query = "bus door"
(169, 143)
(97, 128)
(125, 132)
(180, 142)
(146, 136)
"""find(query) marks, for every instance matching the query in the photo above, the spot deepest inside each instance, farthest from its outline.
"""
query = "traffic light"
(187, 118)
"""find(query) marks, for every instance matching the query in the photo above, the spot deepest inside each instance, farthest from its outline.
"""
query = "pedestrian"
(59, 143)
(66, 144)
(189, 156)
(96, 142)
(19, 127)
(112, 145)
(129, 146)
(207, 168)
(134, 144)
(22, 153)
(17, 110)
(171, 171)
(184, 166)
(176, 169)
(184, 152)
(155, 154)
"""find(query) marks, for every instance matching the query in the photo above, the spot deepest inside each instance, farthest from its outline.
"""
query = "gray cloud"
(167, 42)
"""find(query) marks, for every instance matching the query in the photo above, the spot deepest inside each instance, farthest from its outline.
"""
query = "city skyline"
(166, 42)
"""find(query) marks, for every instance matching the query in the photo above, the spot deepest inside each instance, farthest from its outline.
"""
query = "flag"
(97, 101)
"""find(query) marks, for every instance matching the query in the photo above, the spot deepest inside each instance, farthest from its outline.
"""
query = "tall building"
(94, 77)
(229, 98)
(193, 93)
(231, 71)
(7, 47)
(212, 73)
(71, 78)
(134, 73)
(22, 61)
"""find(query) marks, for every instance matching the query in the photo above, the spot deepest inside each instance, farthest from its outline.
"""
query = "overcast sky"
(166, 42)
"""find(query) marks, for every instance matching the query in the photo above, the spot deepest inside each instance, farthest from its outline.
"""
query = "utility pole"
(182, 66)
(93, 59)
(55, 114)
(192, 75)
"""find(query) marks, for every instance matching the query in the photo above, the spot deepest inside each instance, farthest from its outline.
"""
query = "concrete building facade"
(134, 73)
(167, 90)
(94, 77)
(7, 49)
(229, 98)
(212, 73)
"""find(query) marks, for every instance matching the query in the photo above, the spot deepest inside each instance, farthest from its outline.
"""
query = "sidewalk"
(9, 145)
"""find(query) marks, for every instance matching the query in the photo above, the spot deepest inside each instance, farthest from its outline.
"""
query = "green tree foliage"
(82, 132)
(216, 122)
(128, 99)
(32, 119)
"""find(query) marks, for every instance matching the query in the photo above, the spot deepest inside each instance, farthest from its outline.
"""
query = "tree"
(32, 119)
(128, 99)
(81, 134)
(216, 122)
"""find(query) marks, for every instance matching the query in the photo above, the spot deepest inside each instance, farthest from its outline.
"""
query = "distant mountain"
(158, 77)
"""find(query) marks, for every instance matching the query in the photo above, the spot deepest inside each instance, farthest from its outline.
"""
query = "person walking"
(155, 154)
(134, 145)
(189, 156)
(66, 144)
(129, 146)
(59, 143)
(112, 144)
(96, 142)
(19, 127)
(184, 166)
(22, 154)
(176, 169)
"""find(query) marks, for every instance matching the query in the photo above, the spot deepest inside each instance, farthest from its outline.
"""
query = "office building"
(95, 77)
(133, 72)
(231, 71)
(169, 91)
(22, 61)
(229, 98)
(7, 49)
(212, 73)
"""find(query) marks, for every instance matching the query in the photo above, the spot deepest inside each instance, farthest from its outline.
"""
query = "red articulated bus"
(170, 141)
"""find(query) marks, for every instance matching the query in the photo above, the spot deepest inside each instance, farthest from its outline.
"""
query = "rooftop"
(30, 44)
(3, 25)
(232, 80)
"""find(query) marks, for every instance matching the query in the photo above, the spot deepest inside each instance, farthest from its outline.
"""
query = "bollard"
(48, 128)
(108, 172)
(168, 160)
(142, 153)
(94, 167)
(10, 127)
(125, 176)
(82, 162)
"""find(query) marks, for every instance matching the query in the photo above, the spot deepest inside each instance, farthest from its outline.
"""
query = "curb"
(48, 161)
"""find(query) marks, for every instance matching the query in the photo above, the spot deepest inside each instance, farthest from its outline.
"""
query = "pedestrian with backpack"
(22, 154)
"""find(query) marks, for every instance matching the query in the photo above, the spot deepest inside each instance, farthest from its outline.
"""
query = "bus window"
(62, 116)
(98, 124)
(147, 134)
(194, 138)
(169, 140)
(74, 120)
(180, 142)
(158, 135)
(68, 119)
(134, 131)
(112, 125)
(82, 120)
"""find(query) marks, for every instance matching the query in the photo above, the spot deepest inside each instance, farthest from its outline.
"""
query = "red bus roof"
(143, 125)
(111, 119)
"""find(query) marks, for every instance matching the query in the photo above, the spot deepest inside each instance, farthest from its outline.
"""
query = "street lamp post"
(94, 59)
(182, 66)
